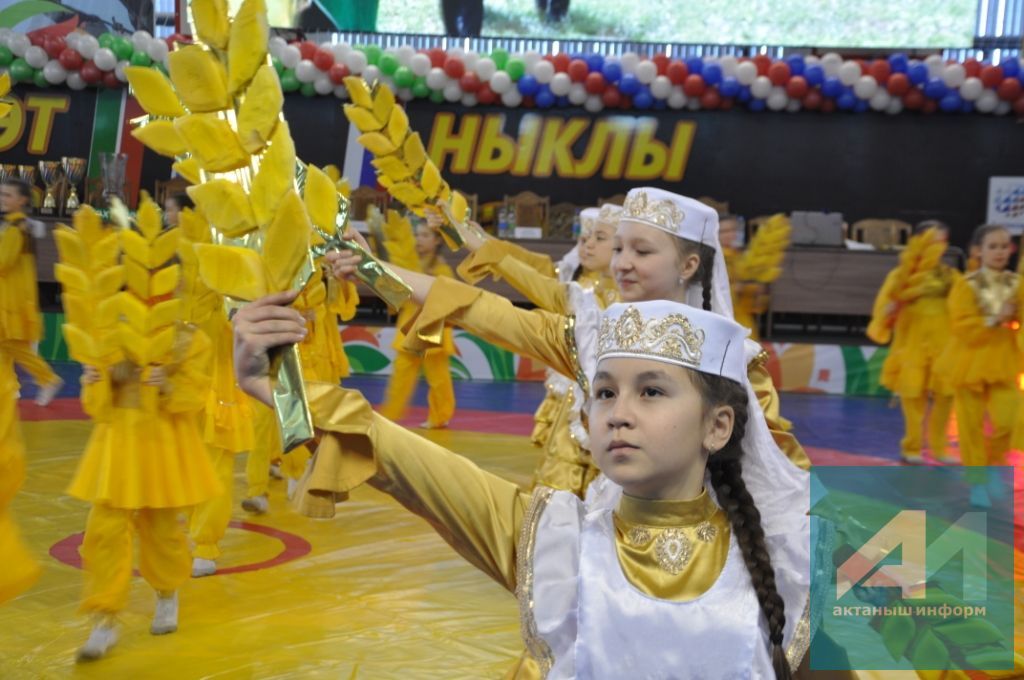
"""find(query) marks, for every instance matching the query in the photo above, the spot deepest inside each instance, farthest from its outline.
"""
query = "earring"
(682, 281)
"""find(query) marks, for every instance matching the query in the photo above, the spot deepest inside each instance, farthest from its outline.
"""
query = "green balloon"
(373, 54)
(122, 47)
(278, 66)
(6, 56)
(437, 96)
(388, 64)
(308, 90)
(361, 48)
(516, 68)
(420, 89)
(499, 57)
(289, 83)
(21, 72)
(162, 67)
(404, 76)
(106, 40)
(40, 79)
(140, 59)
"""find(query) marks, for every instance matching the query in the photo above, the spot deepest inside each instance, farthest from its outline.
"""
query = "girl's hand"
(343, 264)
(91, 375)
(260, 326)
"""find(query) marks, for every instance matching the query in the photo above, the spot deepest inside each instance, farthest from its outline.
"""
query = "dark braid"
(726, 470)
(706, 254)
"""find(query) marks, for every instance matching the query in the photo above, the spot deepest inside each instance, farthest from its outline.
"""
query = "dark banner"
(46, 125)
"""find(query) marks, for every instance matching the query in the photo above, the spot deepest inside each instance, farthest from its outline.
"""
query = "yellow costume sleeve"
(965, 317)
(12, 243)
(342, 298)
(477, 513)
(97, 398)
(536, 333)
(880, 327)
(541, 264)
(496, 258)
(768, 399)
(189, 382)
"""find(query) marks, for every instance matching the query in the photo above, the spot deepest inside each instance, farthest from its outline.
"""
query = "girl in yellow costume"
(435, 363)
(911, 311)
(21, 323)
(981, 361)
(564, 463)
(751, 270)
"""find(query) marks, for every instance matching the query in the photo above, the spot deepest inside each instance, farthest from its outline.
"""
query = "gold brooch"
(706, 531)
(660, 212)
(639, 536)
(672, 337)
(673, 550)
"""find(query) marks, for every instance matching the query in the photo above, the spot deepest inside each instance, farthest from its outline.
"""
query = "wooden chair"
(617, 199)
(883, 234)
(530, 209)
(363, 197)
(167, 188)
(721, 207)
(560, 221)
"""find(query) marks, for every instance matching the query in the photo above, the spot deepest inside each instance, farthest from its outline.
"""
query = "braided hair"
(706, 255)
(726, 471)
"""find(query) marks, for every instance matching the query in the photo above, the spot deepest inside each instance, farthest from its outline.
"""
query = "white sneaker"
(46, 393)
(165, 620)
(101, 639)
(275, 471)
(203, 567)
(427, 425)
(293, 484)
(257, 505)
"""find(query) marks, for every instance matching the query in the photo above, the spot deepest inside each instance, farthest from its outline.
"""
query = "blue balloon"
(1010, 66)
(629, 85)
(643, 99)
(757, 105)
(528, 85)
(796, 63)
(660, 104)
(935, 89)
(918, 73)
(563, 101)
(832, 87)
(744, 96)
(861, 106)
(695, 65)
(612, 71)
(729, 87)
(951, 102)
(594, 62)
(544, 99)
(814, 75)
(967, 107)
(898, 62)
(846, 101)
(712, 74)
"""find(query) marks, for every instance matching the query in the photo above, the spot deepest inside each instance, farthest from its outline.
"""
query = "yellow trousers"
(26, 357)
(1000, 403)
(405, 370)
(107, 554)
(267, 447)
(210, 520)
(916, 419)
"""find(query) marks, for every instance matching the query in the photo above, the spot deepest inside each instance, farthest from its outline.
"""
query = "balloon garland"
(594, 82)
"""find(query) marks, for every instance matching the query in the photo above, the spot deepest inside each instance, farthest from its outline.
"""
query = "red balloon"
(323, 59)
(1009, 89)
(929, 106)
(828, 105)
(90, 72)
(880, 70)
(693, 86)
(662, 62)
(625, 103)
(469, 82)
(308, 49)
(677, 72)
(899, 84)
(710, 99)
(914, 99)
(992, 76)
(70, 59)
(177, 38)
(528, 101)
(972, 67)
(485, 95)
(454, 67)
(578, 70)
(611, 97)
(338, 73)
(863, 66)
(726, 104)
(110, 80)
(437, 57)
(561, 61)
(1018, 106)
(778, 73)
(796, 87)
(594, 83)
(763, 62)
(812, 100)
(54, 46)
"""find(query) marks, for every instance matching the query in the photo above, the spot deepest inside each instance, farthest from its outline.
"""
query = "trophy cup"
(74, 171)
(50, 173)
(7, 171)
(27, 174)
(112, 170)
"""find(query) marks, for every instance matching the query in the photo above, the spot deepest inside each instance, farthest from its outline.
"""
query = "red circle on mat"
(66, 550)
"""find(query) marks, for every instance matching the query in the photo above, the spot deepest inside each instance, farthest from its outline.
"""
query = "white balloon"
(987, 101)
(306, 71)
(485, 68)
(72, 39)
(831, 62)
(531, 59)
(341, 92)
(543, 71)
(849, 73)
(405, 54)
(761, 87)
(954, 75)
(75, 82)
(140, 39)
(340, 51)
(594, 103)
(661, 88)
(105, 59)
(469, 60)
(405, 94)
(371, 74)
(119, 70)
(501, 83)
(452, 91)
(578, 94)
(693, 104)
(936, 65)
(972, 88)
(677, 99)
(19, 44)
(794, 105)
(419, 64)
(436, 78)
(646, 71)
(355, 60)
(629, 62)
(561, 83)
(276, 46)
(457, 52)
(469, 99)
(1002, 108)
(895, 106)
(777, 99)
(157, 50)
(865, 87)
(54, 73)
(811, 60)
(746, 73)
(36, 56)
(512, 98)
(880, 100)
(729, 64)
(291, 56)
(323, 84)
(88, 44)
